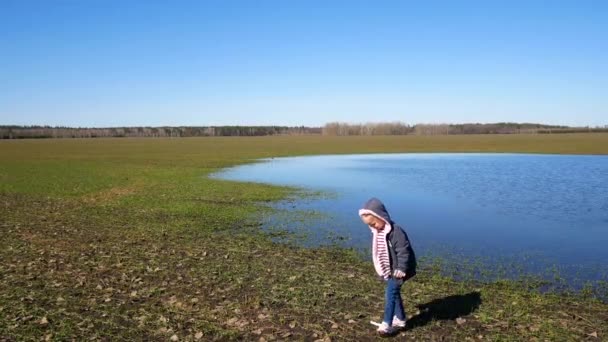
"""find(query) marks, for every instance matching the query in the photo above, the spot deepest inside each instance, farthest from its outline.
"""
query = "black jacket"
(401, 253)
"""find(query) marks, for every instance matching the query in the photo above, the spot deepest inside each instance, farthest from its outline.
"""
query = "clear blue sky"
(127, 62)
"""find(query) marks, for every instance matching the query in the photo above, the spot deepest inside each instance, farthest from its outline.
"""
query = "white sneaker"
(397, 323)
(385, 329)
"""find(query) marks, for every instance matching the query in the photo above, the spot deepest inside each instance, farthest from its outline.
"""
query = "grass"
(127, 239)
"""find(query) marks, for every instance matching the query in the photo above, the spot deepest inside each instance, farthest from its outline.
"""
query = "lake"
(534, 212)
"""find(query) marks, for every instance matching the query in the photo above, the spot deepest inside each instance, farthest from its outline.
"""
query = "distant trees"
(574, 130)
(432, 129)
(500, 128)
(382, 128)
(18, 132)
(399, 128)
(330, 129)
(478, 128)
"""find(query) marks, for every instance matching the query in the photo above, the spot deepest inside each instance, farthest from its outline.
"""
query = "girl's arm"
(402, 246)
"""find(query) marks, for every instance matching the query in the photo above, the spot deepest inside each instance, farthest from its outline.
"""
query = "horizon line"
(306, 126)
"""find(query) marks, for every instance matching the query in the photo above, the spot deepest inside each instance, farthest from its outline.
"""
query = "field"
(127, 239)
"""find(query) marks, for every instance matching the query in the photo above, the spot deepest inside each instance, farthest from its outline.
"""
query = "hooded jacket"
(401, 254)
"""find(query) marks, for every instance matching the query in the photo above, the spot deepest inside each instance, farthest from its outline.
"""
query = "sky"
(102, 63)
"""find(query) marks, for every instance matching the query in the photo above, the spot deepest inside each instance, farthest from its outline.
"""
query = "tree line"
(381, 128)
(400, 128)
(331, 129)
(20, 132)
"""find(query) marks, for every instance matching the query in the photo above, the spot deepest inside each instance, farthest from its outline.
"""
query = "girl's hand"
(399, 274)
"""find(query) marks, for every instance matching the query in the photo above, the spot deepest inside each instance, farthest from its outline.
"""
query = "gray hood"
(377, 208)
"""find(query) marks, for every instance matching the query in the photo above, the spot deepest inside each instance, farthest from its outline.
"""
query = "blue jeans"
(393, 304)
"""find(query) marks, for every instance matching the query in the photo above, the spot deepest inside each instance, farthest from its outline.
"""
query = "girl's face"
(373, 221)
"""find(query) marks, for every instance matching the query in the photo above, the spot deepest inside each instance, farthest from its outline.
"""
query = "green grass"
(127, 239)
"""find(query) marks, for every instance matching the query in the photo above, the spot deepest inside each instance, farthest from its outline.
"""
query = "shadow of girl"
(447, 308)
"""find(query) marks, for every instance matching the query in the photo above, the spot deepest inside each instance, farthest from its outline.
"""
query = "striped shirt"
(380, 251)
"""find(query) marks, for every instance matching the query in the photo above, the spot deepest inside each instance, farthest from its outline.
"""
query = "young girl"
(394, 261)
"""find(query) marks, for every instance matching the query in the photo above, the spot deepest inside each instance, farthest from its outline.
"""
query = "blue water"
(536, 211)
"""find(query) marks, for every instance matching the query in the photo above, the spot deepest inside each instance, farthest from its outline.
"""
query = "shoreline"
(476, 268)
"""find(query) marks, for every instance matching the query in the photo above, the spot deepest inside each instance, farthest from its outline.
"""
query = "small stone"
(174, 338)
(44, 321)
(198, 335)
(460, 321)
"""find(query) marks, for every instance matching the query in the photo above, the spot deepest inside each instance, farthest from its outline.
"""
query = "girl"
(394, 261)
